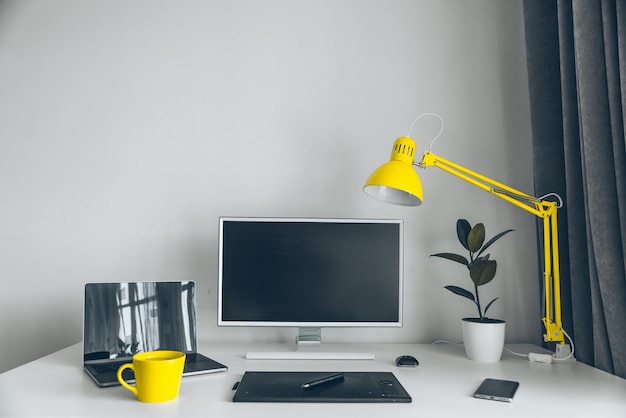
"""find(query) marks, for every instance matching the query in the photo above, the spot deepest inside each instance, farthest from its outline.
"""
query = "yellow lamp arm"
(544, 209)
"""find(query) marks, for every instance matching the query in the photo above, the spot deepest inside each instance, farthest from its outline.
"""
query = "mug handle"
(121, 379)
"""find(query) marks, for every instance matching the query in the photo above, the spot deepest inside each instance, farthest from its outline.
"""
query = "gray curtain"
(576, 56)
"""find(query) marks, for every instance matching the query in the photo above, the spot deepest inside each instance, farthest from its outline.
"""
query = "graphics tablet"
(344, 387)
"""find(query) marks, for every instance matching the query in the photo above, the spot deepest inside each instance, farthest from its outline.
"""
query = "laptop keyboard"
(112, 367)
(102, 368)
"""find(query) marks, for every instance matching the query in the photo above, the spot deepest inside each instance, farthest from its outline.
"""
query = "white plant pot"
(483, 341)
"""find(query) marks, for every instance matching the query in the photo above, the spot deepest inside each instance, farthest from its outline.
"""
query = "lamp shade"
(396, 181)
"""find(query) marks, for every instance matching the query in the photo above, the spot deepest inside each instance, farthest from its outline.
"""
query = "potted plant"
(483, 337)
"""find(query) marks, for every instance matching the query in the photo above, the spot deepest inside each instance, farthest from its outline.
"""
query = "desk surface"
(442, 385)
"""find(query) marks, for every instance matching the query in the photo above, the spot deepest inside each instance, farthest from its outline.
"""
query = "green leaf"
(494, 239)
(489, 305)
(461, 292)
(483, 272)
(454, 257)
(476, 237)
(463, 229)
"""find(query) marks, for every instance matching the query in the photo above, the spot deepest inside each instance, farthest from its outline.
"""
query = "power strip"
(540, 358)
(563, 352)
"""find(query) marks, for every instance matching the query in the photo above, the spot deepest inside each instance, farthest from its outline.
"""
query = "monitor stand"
(309, 347)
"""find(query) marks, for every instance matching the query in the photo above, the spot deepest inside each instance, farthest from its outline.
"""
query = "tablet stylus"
(327, 379)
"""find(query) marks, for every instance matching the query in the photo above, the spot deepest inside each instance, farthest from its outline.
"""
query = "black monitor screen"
(310, 272)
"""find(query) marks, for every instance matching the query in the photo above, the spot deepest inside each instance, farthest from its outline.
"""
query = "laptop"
(122, 319)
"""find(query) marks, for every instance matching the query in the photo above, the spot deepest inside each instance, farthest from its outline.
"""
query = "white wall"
(128, 127)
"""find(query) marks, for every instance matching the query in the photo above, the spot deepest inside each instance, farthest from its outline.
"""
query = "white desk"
(442, 385)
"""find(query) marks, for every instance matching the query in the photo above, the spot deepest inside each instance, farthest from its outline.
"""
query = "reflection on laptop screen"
(122, 319)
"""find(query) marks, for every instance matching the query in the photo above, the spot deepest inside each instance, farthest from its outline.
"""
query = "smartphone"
(497, 390)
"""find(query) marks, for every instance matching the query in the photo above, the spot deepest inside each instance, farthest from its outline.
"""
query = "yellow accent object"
(394, 185)
(395, 181)
(157, 375)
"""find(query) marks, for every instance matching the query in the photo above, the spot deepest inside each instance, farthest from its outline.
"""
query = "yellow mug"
(157, 375)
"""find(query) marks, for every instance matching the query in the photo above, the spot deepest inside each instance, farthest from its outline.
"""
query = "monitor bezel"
(317, 324)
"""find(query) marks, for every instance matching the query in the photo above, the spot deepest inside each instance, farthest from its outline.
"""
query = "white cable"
(560, 203)
(447, 342)
(516, 354)
(421, 116)
(570, 355)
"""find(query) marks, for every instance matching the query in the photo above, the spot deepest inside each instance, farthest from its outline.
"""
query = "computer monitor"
(310, 273)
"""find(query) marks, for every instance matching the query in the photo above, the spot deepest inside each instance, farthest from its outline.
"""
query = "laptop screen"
(122, 319)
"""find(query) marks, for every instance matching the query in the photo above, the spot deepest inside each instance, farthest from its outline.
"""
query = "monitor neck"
(309, 337)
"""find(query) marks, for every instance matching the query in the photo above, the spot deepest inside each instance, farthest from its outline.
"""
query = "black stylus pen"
(327, 379)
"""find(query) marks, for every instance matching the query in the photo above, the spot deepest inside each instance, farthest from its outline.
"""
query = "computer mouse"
(406, 361)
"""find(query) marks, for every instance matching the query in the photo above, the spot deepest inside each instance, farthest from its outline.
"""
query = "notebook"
(355, 387)
(122, 319)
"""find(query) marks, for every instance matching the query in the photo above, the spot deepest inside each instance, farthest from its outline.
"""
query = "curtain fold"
(576, 57)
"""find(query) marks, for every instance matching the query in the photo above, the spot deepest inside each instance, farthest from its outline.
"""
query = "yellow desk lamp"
(397, 182)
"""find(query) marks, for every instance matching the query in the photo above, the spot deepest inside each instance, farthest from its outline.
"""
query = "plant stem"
(480, 312)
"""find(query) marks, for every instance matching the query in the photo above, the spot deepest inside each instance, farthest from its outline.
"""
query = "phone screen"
(497, 390)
